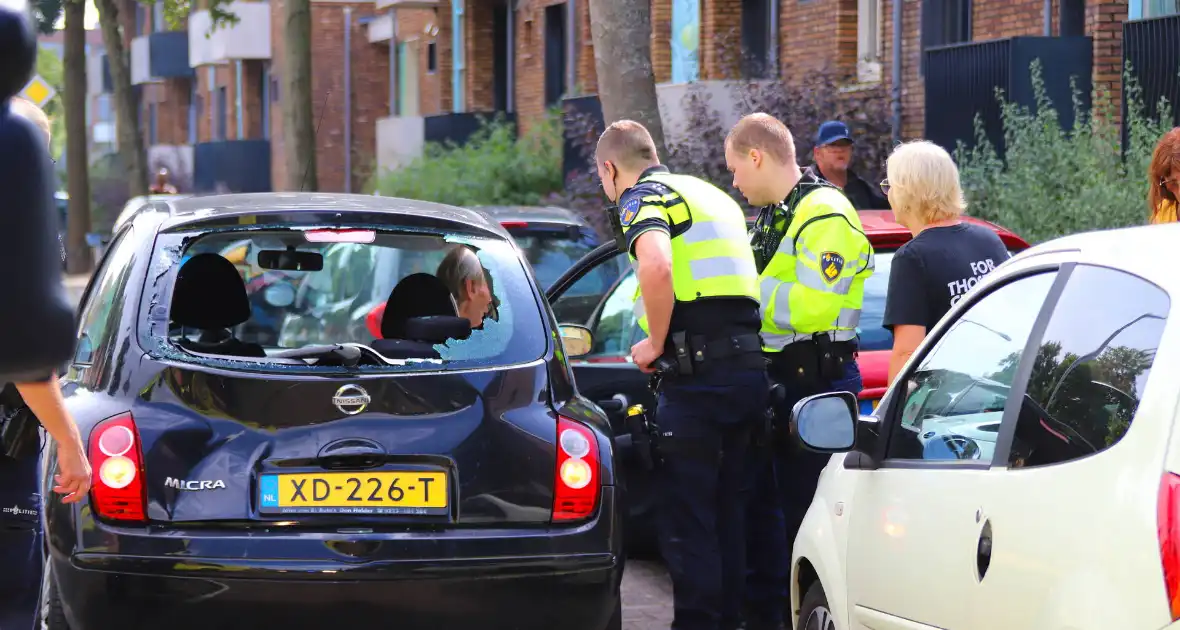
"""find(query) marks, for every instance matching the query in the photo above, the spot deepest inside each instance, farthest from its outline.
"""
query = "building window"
(140, 17)
(194, 112)
(1144, 9)
(686, 34)
(759, 38)
(221, 114)
(158, 21)
(104, 108)
(868, 41)
(945, 23)
(431, 58)
(274, 89)
(555, 47)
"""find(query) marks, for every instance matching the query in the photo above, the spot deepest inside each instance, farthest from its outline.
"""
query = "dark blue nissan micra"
(445, 475)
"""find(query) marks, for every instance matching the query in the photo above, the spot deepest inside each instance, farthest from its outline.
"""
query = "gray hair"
(460, 265)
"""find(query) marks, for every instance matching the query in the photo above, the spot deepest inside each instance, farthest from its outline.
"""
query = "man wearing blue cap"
(833, 154)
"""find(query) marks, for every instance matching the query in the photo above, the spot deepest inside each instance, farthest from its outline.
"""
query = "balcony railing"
(98, 74)
(406, 4)
(1152, 48)
(232, 166)
(249, 38)
(400, 139)
(961, 82)
(162, 55)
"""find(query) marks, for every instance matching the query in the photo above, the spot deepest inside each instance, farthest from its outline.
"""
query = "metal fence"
(1152, 50)
(961, 82)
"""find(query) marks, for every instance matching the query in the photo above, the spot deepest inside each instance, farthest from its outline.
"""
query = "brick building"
(390, 75)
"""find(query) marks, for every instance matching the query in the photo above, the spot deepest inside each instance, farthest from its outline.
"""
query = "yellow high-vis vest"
(815, 280)
(711, 254)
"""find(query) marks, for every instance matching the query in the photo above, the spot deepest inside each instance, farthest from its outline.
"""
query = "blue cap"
(830, 132)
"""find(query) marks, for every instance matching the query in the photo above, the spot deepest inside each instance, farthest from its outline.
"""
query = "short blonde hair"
(765, 133)
(924, 182)
(628, 145)
(33, 113)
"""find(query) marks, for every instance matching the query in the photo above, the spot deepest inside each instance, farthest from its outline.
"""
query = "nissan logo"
(351, 399)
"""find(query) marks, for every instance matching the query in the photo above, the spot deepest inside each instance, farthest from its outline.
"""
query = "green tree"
(50, 68)
(47, 13)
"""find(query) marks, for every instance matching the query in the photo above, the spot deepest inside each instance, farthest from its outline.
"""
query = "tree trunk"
(77, 153)
(126, 111)
(298, 128)
(621, 30)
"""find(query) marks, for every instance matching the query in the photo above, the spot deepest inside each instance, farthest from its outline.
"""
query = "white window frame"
(869, 44)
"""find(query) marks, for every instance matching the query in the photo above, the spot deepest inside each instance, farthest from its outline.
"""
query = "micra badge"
(194, 484)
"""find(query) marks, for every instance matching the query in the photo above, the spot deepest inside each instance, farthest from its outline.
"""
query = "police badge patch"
(830, 265)
(629, 211)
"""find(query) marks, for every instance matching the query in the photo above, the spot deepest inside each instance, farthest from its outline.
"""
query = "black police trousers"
(701, 489)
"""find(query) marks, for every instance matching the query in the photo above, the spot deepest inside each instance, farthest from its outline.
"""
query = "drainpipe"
(571, 47)
(347, 99)
(238, 98)
(393, 78)
(1048, 18)
(511, 56)
(897, 39)
(773, 39)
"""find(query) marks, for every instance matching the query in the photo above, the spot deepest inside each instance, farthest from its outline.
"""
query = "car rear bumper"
(501, 589)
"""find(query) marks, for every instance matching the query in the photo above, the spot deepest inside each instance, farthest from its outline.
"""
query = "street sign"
(38, 91)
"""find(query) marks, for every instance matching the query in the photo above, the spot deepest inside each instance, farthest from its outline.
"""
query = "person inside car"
(464, 275)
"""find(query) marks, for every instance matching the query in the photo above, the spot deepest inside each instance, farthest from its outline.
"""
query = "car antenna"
(314, 138)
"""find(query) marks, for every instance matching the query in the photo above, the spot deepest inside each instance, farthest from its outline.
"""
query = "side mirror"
(576, 340)
(826, 423)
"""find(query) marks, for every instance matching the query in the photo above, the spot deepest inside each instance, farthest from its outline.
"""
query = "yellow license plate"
(422, 493)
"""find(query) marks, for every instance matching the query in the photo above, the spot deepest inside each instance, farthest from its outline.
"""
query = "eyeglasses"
(1169, 183)
(885, 186)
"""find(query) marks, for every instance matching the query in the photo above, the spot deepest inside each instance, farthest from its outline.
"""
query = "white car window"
(1091, 367)
(960, 386)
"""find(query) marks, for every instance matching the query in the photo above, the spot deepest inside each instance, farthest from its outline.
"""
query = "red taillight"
(575, 495)
(118, 492)
(1168, 522)
(514, 224)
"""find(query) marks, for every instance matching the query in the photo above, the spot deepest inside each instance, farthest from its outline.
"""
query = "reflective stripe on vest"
(802, 290)
(712, 257)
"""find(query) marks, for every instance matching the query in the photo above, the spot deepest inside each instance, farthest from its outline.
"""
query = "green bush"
(1052, 182)
(494, 167)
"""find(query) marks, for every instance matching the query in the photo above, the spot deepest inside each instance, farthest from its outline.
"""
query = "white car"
(1070, 520)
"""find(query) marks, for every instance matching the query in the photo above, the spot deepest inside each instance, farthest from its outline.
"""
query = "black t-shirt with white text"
(933, 271)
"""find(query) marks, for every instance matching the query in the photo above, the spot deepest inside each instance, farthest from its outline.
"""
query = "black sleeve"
(37, 322)
(905, 302)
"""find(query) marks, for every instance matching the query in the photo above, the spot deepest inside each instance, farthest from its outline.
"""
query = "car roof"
(1143, 250)
(883, 230)
(531, 214)
(198, 209)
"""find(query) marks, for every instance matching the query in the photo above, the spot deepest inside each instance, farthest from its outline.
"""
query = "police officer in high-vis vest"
(813, 258)
(698, 305)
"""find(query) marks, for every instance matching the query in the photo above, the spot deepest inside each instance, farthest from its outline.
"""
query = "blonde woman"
(947, 255)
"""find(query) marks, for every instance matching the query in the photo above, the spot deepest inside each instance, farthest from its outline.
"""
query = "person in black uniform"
(698, 305)
(36, 321)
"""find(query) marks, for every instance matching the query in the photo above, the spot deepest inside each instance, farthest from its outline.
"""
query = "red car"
(607, 376)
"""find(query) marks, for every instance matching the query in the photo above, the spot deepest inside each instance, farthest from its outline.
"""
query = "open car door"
(606, 375)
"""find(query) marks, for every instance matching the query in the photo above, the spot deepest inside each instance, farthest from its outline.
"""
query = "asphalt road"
(647, 593)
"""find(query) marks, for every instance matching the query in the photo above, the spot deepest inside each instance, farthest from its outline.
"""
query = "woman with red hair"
(1164, 178)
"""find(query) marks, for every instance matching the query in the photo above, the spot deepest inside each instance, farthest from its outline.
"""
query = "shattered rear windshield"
(355, 299)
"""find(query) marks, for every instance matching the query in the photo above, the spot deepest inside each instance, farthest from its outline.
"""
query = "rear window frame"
(163, 267)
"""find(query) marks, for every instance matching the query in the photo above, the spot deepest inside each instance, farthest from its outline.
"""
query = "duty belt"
(696, 355)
